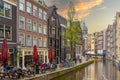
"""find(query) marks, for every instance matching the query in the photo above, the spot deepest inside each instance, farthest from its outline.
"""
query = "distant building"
(89, 42)
(118, 35)
(100, 42)
(84, 36)
(111, 41)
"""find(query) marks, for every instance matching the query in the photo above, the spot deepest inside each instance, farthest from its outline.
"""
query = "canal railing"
(57, 73)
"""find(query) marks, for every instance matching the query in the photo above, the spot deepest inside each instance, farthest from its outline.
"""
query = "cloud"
(102, 8)
(82, 7)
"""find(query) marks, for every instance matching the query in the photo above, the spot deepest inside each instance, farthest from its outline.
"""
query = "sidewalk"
(44, 75)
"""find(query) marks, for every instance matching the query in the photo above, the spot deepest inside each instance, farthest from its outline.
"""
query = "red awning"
(35, 55)
(50, 55)
(4, 52)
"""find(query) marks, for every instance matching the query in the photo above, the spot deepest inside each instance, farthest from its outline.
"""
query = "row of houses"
(25, 23)
(107, 41)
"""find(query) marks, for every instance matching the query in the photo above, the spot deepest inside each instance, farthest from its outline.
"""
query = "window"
(52, 18)
(28, 25)
(34, 40)
(40, 13)
(53, 31)
(40, 42)
(35, 11)
(8, 31)
(28, 7)
(1, 11)
(22, 5)
(22, 22)
(45, 16)
(1, 31)
(6, 10)
(5, 31)
(45, 29)
(21, 38)
(34, 26)
(40, 28)
(28, 40)
(45, 42)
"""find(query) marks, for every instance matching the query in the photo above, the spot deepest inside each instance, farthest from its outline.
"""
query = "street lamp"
(19, 45)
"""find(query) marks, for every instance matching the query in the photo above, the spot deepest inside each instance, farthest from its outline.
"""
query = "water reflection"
(97, 71)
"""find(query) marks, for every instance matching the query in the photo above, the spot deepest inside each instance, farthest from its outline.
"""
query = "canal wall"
(52, 75)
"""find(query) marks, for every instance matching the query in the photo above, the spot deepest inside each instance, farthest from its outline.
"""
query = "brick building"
(8, 23)
(54, 33)
(32, 30)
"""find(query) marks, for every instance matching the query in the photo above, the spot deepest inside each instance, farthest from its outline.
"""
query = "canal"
(97, 71)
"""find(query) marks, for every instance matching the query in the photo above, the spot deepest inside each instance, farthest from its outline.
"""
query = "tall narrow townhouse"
(93, 42)
(8, 26)
(113, 40)
(84, 37)
(108, 41)
(100, 42)
(54, 33)
(89, 42)
(63, 25)
(32, 30)
(118, 34)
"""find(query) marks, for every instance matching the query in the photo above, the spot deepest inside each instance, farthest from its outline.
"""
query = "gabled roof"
(52, 11)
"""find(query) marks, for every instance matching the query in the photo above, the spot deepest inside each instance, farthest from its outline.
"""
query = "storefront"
(26, 57)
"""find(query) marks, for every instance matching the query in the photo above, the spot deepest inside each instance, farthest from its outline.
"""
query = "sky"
(97, 14)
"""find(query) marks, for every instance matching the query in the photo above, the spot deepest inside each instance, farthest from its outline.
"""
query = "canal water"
(101, 70)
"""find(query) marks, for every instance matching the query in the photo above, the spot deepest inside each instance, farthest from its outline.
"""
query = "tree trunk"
(71, 51)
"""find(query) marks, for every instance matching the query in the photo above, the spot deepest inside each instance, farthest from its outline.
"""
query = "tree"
(73, 30)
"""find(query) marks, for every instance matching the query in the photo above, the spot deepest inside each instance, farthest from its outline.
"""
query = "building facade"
(32, 30)
(84, 37)
(8, 26)
(117, 35)
(54, 33)
(78, 45)
(89, 42)
(64, 49)
(100, 42)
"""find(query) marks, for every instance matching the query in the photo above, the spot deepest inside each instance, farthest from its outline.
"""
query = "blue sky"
(96, 13)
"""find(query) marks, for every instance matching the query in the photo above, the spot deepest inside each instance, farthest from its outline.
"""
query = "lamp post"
(19, 53)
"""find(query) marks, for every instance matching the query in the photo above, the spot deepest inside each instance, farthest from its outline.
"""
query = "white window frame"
(34, 43)
(23, 43)
(28, 7)
(22, 2)
(40, 13)
(45, 42)
(4, 26)
(34, 27)
(22, 18)
(45, 29)
(45, 15)
(28, 44)
(40, 28)
(28, 22)
(34, 10)
(40, 42)
(9, 6)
